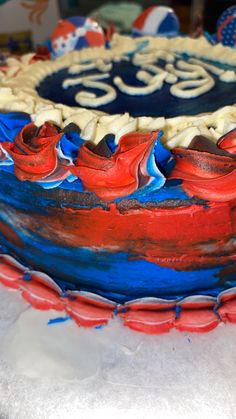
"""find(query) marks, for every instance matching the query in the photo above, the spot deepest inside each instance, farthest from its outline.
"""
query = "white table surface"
(62, 371)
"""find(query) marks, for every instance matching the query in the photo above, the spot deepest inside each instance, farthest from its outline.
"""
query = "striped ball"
(157, 20)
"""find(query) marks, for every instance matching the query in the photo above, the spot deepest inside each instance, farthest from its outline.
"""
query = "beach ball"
(226, 27)
(76, 33)
(157, 21)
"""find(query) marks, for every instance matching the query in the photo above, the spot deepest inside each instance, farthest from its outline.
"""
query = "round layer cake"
(118, 168)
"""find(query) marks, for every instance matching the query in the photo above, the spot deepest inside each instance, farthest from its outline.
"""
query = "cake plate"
(50, 368)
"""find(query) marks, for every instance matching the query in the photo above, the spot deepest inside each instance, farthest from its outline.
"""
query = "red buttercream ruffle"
(228, 142)
(34, 153)
(119, 175)
(208, 175)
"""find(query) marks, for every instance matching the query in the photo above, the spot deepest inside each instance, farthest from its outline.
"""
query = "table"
(62, 371)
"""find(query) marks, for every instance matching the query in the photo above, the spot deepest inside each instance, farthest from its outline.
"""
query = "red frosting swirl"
(228, 142)
(120, 174)
(34, 151)
(208, 171)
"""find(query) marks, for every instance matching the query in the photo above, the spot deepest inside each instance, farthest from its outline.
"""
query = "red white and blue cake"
(117, 192)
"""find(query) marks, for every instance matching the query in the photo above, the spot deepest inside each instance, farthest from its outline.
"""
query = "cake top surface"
(197, 80)
(145, 79)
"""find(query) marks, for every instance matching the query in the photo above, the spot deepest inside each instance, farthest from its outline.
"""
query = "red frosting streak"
(41, 297)
(227, 311)
(168, 237)
(197, 320)
(88, 315)
(151, 322)
(10, 275)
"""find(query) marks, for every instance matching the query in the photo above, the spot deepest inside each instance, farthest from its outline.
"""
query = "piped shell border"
(148, 315)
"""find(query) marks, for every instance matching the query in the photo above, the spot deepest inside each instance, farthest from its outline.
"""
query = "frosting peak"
(130, 167)
(208, 172)
(34, 151)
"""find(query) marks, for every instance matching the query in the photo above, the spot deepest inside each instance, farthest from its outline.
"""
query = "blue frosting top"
(159, 103)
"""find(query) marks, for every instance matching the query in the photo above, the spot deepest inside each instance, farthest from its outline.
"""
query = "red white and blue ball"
(76, 33)
(157, 21)
(226, 27)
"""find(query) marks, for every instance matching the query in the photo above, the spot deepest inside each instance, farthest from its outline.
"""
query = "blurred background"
(26, 23)
(187, 10)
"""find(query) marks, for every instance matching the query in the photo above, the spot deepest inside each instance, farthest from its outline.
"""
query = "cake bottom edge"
(196, 313)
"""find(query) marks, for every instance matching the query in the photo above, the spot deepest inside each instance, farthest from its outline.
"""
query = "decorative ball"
(226, 27)
(157, 20)
(75, 33)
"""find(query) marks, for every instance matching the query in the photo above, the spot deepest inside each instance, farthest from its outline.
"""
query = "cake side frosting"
(116, 204)
(115, 222)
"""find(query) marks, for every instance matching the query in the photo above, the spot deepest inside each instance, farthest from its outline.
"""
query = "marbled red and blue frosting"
(124, 221)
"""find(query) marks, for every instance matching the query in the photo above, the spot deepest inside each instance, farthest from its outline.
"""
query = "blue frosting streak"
(11, 124)
(17, 193)
(70, 144)
(9, 168)
(58, 320)
(73, 186)
(146, 194)
(110, 140)
(141, 45)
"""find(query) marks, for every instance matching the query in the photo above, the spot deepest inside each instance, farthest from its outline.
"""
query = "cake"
(117, 192)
